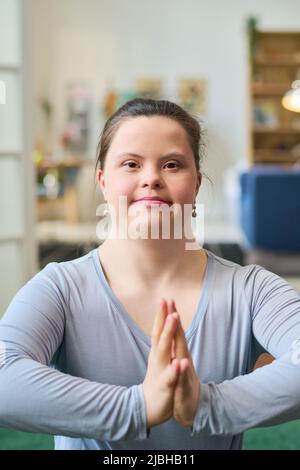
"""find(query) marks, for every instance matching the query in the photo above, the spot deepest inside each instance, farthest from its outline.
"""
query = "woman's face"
(150, 156)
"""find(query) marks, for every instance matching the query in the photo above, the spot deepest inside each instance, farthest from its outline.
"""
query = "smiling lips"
(151, 201)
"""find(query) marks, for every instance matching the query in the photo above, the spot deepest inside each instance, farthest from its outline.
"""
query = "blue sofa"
(270, 208)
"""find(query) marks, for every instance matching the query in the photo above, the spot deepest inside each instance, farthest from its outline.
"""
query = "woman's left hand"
(187, 390)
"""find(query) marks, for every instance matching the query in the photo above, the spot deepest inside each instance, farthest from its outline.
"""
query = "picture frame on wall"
(191, 94)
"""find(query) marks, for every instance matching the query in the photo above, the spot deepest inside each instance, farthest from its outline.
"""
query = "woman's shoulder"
(229, 266)
(240, 273)
(75, 265)
(62, 275)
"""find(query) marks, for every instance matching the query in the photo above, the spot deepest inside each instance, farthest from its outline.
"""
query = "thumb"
(181, 349)
(173, 372)
(184, 370)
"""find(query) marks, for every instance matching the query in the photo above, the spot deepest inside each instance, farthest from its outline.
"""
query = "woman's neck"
(149, 261)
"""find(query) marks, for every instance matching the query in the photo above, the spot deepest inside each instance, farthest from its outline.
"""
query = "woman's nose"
(153, 180)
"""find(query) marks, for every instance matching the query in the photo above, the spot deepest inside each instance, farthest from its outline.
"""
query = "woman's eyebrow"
(168, 155)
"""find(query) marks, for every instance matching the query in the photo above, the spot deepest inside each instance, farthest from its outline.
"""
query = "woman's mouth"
(151, 202)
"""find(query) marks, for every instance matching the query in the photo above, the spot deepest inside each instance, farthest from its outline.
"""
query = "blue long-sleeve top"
(73, 361)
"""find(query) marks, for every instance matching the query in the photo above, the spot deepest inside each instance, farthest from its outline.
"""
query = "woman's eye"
(173, 163)
(130, 163)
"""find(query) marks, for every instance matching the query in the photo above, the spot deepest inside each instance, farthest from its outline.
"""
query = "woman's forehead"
(154, 130)
(140, 123)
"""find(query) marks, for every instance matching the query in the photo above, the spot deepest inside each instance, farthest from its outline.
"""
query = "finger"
(173, 347)
(164, 346)
(171, 310)
(173, 353)
(176, 364)
(172, 373)
(170, 306)
(181, 348)
(184, 367)
(159, 321)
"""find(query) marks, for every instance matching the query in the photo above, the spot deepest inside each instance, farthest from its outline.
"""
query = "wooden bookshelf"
(283, 62)
(274, 156)
(274, 131)
(282, 129)
(266, 89)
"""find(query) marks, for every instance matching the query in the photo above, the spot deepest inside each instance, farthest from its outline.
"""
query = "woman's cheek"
(123, 189)
(187, 190)
(184, 193)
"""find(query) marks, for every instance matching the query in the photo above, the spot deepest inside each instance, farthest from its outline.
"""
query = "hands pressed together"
(171, 386)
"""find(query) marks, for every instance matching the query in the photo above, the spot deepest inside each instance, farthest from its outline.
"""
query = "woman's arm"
(37, 398)
(271, 394)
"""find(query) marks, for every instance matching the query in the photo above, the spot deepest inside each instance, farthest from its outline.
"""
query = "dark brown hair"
(148, 107)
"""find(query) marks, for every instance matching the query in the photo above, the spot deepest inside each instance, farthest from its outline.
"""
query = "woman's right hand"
(162, 374)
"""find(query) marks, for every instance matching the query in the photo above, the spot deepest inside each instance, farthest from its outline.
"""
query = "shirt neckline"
(200, 310)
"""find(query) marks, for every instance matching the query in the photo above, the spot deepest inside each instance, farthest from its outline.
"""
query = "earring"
(106, 211)
(194, 213)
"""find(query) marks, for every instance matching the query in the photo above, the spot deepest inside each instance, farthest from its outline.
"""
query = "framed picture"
(191, 94)
(149, 88)
(77, 130)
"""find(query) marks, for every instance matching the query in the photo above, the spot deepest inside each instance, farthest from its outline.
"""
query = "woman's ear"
(199, 180)
(101, 182)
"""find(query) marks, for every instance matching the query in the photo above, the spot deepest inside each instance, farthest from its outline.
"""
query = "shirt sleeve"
(34, 396)
(269, 395)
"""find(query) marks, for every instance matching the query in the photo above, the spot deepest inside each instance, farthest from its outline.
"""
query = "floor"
(283, 437)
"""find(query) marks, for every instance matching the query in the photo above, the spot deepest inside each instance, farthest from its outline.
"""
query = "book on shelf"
(265, 114)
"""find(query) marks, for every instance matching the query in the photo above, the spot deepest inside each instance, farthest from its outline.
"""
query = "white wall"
(99, 40)
(18, 254)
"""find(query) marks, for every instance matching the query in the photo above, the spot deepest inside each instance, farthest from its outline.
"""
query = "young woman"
(143, 343)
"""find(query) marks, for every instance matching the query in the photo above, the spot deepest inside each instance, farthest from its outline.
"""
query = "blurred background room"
(67, 65)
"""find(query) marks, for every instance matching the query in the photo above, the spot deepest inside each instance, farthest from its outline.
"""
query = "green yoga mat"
(283, 437)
